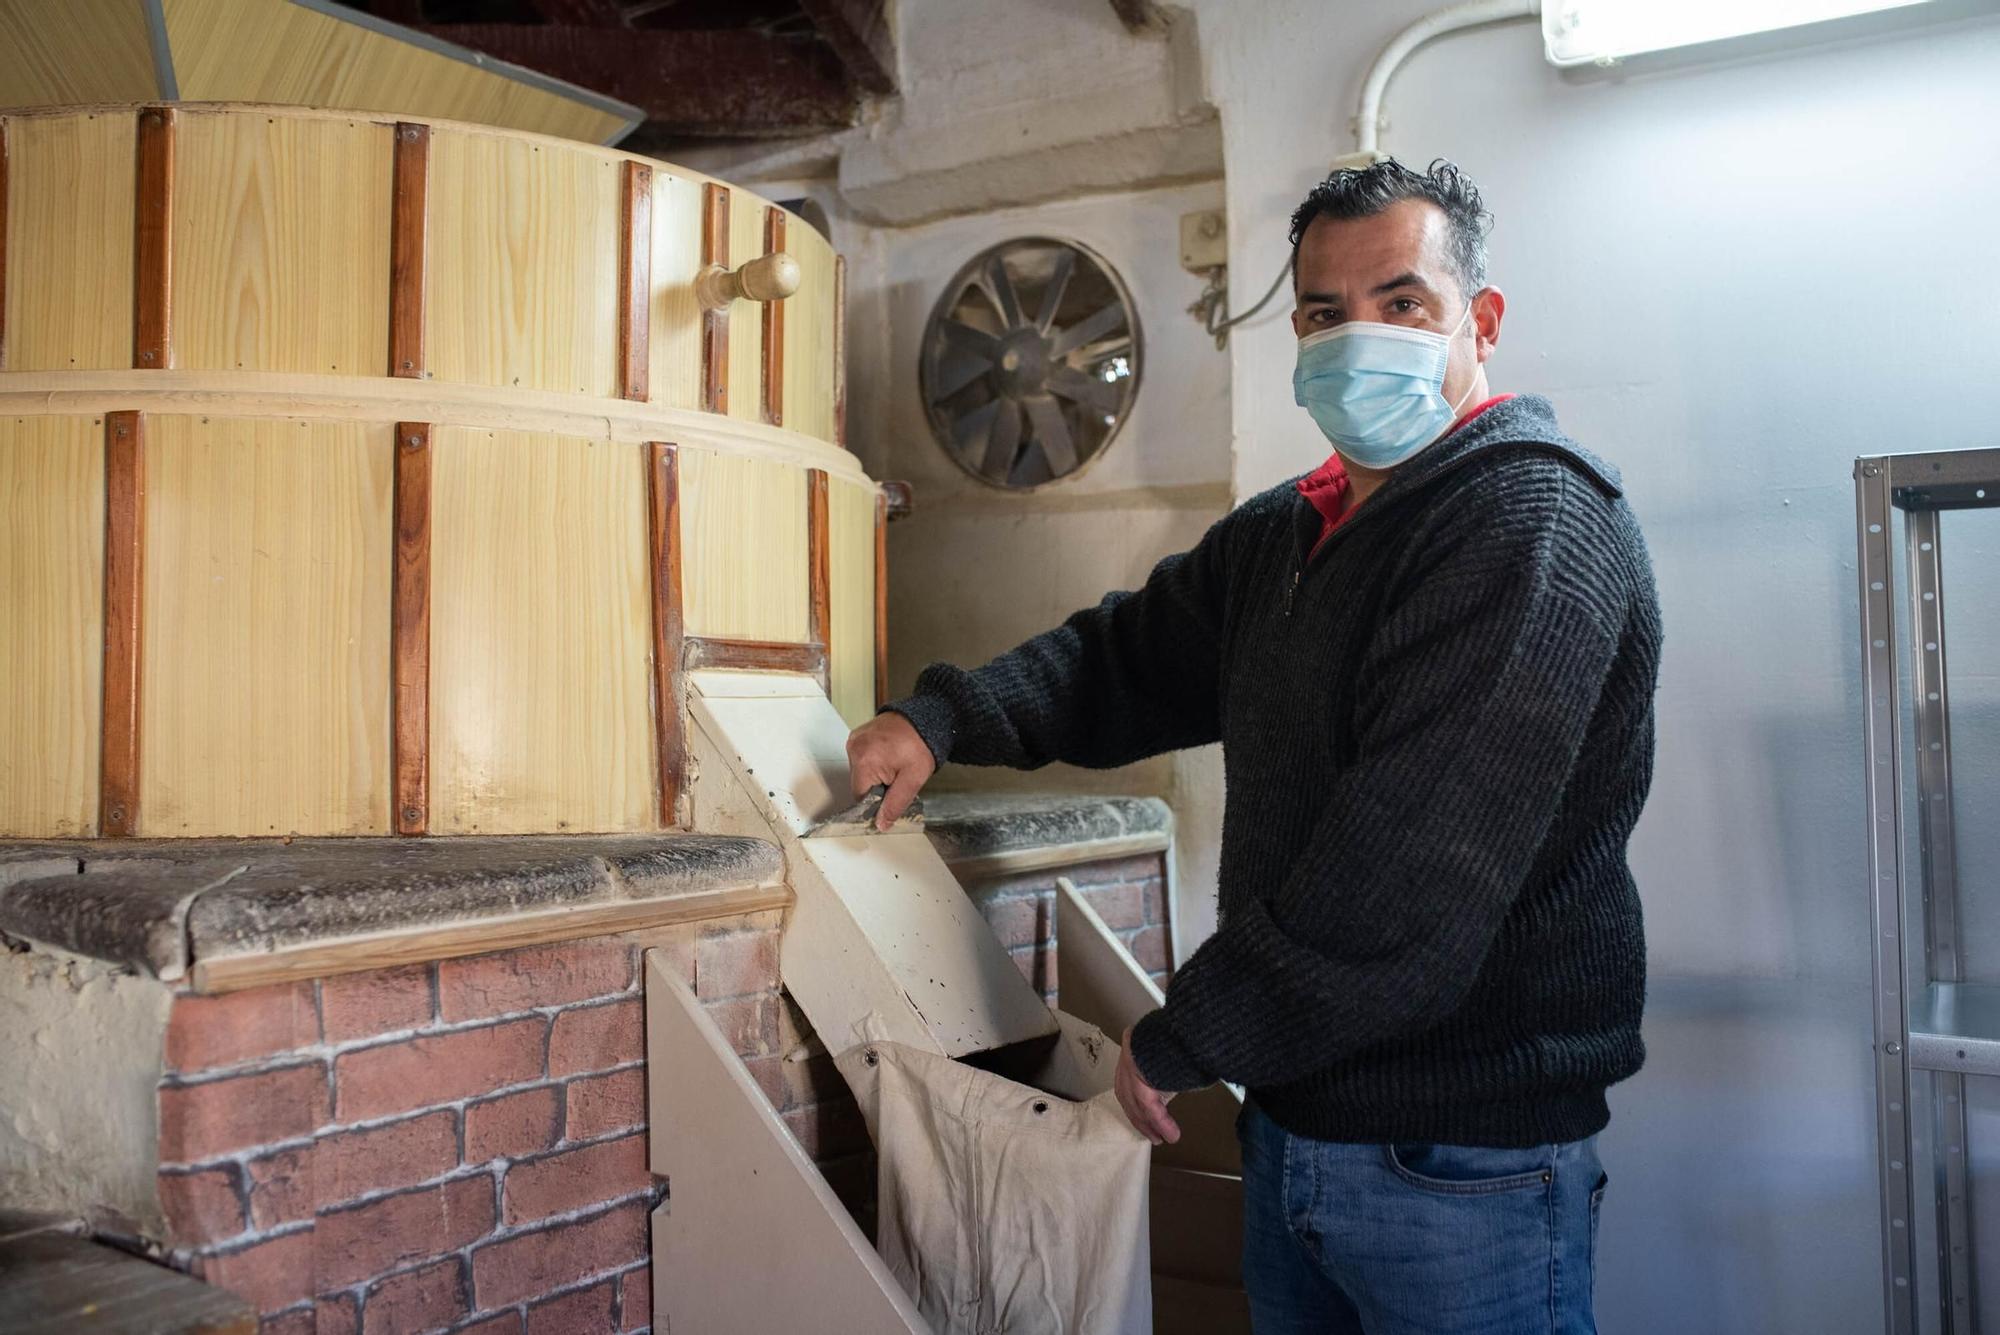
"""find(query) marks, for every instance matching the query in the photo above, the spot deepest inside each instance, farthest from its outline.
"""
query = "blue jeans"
(1416, 1239)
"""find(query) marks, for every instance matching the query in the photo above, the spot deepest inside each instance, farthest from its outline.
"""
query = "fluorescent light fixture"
(1584, 32)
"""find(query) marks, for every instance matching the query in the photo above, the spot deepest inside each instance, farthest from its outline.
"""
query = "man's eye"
(1403, 305)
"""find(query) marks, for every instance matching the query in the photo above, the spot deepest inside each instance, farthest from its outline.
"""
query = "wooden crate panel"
(51, 623)
(276, 51)
(851, 551)
(99, 52)
(69, 242)
(281, 244)
(743, 535)
(809, 335)
(523, 266)
(264, 680)
(746, 318)
(541, 686)
(674, 340)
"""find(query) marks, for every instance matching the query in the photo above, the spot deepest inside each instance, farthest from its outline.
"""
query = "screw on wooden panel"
(123, 430)
(146, 356)
(408, 364)
(410, 133)
(412, 815)
(117, 815)
(413, 442)
(152, 118)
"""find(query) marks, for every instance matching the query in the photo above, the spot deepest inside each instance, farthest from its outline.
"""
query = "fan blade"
(1051, 433)
(963, 339)
(1088, 390)
(1088, 330)
(1003, 442)
(956, 372)
(969, 430)
(1052, 295)
(1000, 289)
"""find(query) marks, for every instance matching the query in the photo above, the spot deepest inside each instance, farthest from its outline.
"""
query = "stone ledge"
(168, 907)
(985, 834)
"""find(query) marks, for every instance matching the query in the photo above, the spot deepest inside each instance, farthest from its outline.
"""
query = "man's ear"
(1489, 306)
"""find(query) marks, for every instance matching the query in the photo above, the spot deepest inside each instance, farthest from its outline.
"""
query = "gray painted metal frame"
(1952, 1028)
(634, 117)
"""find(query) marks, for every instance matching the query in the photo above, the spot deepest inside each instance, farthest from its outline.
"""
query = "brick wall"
(455, 1146)
(1130, 894)
(461, 1146)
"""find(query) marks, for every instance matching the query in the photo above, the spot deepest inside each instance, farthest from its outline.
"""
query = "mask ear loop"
(1458, 407)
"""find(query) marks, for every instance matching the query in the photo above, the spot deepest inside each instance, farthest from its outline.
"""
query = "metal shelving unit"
(1938, 1025)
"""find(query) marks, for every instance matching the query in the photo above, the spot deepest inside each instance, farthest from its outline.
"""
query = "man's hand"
(886, 749)
(1144, 1106)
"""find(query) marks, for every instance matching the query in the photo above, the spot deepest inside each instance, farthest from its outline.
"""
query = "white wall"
(1731, 279)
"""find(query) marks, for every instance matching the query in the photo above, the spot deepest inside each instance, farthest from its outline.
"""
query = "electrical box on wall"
(1204, 241)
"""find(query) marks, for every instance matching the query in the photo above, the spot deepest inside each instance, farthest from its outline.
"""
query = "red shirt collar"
(1327, 486)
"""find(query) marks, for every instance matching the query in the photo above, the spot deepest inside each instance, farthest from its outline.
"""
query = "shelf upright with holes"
(1936, 1026)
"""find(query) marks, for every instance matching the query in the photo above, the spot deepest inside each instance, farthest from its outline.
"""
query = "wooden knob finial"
(770, 277)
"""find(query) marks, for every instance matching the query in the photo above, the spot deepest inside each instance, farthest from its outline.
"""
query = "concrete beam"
(858, 31)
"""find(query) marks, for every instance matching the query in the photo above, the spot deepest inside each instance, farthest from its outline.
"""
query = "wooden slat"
(635, 282)
(124, 552)
(699, 652)
(881, 598)
(819, 569)
(840, 351)
(410, 627)
(715, 324)
(152, 293)
(774, 326)
(354, 954)
(663, 512)
(408, 248)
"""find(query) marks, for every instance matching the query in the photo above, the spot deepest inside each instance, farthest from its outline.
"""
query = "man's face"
(1395, 268)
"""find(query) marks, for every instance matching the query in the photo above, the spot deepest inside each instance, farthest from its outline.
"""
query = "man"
(1431, 664)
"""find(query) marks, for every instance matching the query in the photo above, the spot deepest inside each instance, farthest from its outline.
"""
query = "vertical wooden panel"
(881, 598)
(635, 281)
(715, 323)
(523, 264)
(810, 332)
(840, 351)
(281, 243)
(267, 673)
(540, 614)
(817, 572)
(746, 326)
(743, 542)
(409, 245)
(124, 581)
(153, 242)
(663, 529)
(68, 304)
(851, 591)
(51, 624)
(678, 336)
(410, 633)
(774, 326)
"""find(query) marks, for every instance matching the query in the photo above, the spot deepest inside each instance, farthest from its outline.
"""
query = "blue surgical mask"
(1377, 390)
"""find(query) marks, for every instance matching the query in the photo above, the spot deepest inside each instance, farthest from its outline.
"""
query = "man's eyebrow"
(1320, 298)
(1400, 280)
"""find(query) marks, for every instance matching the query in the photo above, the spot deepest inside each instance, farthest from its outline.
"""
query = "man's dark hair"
(1365, 192)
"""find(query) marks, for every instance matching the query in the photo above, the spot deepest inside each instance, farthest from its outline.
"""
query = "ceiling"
(699, 69)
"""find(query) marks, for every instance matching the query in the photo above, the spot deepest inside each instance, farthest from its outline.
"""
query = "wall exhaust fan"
(1030, 361)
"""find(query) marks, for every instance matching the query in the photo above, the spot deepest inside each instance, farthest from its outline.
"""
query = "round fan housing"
(1030, 361)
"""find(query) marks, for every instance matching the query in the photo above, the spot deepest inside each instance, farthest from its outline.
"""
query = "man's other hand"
(1145, 1107)
(887, 750)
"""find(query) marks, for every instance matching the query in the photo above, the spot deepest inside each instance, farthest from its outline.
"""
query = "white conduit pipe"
(1473, 14)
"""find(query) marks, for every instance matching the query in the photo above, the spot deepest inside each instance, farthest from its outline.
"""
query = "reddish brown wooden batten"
(840, 351)
(153, 242)
(124, 582)
(3, 241)
(410, 627)
(715, 324)
(635, 283)
(819, 566)
(663, 493)
(881, 598)
(763, 655)
(774, 327)
(409, 242)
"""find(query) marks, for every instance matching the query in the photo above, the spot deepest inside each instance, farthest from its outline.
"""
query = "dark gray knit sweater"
(1437, 735)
